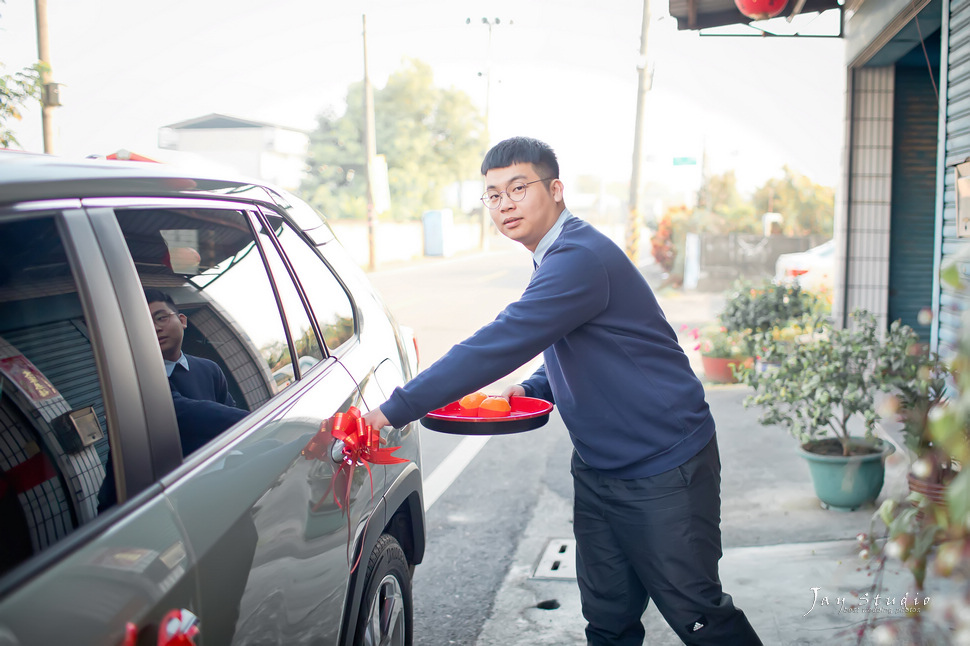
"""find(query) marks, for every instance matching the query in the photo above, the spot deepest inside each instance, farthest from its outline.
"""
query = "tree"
(722, 209)
(15, 91)
(808, 208)
(431, 138)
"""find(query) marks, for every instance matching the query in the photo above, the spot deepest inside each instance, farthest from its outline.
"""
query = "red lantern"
(761, 9)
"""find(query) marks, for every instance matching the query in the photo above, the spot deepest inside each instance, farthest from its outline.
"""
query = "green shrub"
(750, 308)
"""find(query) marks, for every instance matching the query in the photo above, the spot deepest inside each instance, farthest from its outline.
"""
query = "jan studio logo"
(909, 602)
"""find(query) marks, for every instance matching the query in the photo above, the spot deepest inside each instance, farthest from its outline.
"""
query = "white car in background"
(813, 269)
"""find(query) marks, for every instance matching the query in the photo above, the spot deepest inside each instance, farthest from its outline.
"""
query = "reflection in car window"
(206, 259)
(304, 337)
(53, 433)
(330, 304)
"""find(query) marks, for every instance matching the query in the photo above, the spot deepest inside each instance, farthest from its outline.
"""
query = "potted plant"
(722, 353)
(771, 346)
(822, 387)
(757, 309)
(920, 387)
(929, 531)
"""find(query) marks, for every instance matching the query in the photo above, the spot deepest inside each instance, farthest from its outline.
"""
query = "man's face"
(169, 328)
(531, 218)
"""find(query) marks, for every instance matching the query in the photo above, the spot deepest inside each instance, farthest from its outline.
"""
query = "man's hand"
(375, 419)
(514, 391)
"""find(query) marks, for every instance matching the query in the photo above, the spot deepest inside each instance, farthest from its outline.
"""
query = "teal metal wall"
(913, 218)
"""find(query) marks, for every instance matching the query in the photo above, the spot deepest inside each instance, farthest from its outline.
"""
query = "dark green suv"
(137, 508)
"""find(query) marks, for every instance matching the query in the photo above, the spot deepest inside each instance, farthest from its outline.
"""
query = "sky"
(564, 71)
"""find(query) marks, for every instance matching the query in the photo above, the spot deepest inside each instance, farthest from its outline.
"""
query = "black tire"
(386, 616)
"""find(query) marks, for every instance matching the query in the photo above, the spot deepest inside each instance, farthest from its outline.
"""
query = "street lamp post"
(488, 22)
(50, 98)
(643, 86)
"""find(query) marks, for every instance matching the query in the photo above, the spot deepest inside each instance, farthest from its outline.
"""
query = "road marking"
(451, 467)
(462, 455)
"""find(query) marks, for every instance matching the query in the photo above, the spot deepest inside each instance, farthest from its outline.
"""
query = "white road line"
(451, 467)
(462, 455)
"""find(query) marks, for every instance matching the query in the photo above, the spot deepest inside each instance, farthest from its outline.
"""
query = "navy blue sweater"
(203, 380)
(612, 362)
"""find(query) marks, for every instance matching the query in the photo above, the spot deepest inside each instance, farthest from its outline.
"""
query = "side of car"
(250, 537)
(813, 269)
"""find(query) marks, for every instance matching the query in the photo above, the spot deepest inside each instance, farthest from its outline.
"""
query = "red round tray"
(528, 413)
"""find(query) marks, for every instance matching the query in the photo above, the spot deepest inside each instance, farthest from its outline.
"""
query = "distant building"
(264, 151)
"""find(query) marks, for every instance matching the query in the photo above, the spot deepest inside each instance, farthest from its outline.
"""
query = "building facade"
(264, 151)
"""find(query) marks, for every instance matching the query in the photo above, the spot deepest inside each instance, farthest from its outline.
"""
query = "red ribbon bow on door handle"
(362, 446)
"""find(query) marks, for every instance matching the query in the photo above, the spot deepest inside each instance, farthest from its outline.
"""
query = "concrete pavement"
(778, 542)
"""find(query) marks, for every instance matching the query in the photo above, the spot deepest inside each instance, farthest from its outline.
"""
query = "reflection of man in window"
(191, 376)
(200, 394)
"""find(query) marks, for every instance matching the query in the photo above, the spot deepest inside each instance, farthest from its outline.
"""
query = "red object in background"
(718, 369)
(182, 260)
(127, 155)
(28, 474)
(178, 628)
(32, 381)
(761, 9)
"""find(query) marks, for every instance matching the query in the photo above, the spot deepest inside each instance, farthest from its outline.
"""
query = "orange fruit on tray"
(469, 403)
(494, 407)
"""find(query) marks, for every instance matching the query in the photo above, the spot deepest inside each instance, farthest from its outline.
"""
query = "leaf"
(950, 274)
(958, 495)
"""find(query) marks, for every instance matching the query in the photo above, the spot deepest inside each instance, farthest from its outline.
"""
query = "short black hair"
(522, 150)
(158, 296)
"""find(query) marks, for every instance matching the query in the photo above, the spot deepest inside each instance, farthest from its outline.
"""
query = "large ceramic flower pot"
(846, 483)
(718, 369)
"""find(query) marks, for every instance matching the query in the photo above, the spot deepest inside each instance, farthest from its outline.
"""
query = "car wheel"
(386, 616)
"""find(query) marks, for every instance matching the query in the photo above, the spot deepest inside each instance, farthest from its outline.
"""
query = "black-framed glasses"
(516, 192)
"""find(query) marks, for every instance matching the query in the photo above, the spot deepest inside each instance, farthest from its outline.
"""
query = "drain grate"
(558, 560)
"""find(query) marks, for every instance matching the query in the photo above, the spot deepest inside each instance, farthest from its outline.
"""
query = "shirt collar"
(550, 237)
(170, 365)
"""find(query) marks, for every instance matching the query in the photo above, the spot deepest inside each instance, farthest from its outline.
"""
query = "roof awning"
(703, 14)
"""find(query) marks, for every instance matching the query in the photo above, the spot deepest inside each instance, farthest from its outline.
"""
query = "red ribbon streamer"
(362, 446)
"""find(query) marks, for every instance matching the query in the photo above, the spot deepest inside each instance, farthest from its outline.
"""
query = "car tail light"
(795, 272)
(417, 353)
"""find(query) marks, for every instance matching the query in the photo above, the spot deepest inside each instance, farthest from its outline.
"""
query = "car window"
(208, 262)
(53, 430)
(308, 349)
(329, 301)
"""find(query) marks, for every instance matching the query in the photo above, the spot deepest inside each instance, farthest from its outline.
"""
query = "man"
(200, 393)
(646, 470)
(193, 377)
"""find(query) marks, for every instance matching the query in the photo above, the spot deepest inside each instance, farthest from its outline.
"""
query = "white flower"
(884, 634)
(922, 468)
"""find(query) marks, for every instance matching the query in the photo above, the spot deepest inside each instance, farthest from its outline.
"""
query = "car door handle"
(337, 451)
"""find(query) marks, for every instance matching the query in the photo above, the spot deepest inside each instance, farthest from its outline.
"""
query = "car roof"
(30, 176)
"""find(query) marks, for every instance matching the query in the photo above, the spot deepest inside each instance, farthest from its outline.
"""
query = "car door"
(355, 325)
(70, 395)
(262, 503)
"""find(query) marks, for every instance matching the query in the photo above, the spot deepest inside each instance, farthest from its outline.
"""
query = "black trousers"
(654, 538)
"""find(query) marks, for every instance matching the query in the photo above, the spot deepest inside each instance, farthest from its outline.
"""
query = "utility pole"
(51, 96)
(486, 219)
(370, 150)
(643, 86)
